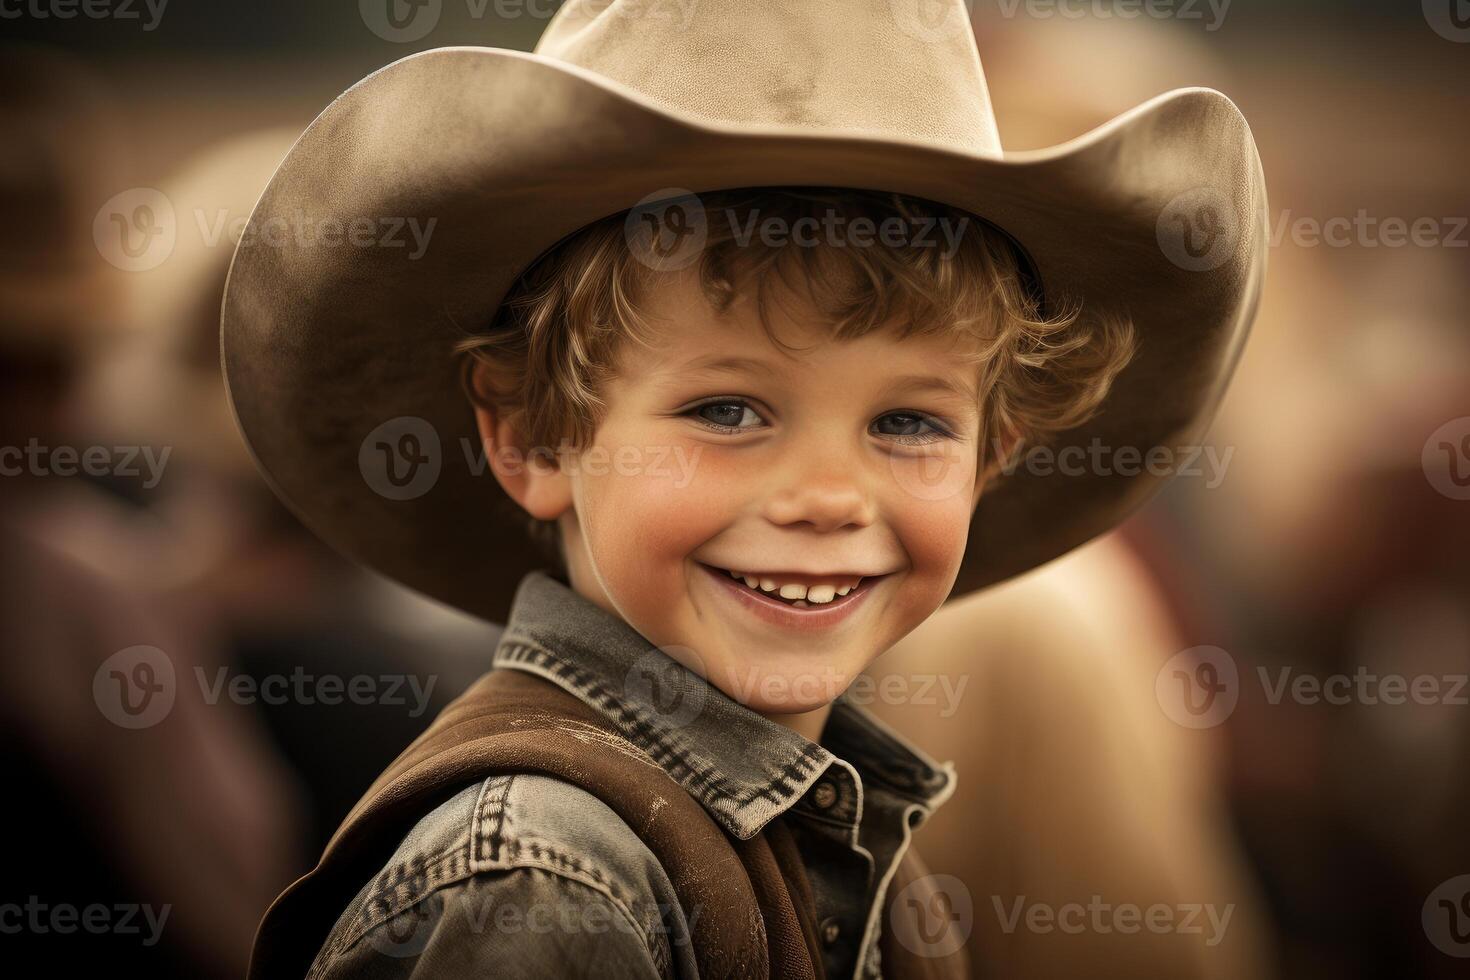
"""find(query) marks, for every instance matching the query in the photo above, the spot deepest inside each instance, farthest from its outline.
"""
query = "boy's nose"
(823, 491)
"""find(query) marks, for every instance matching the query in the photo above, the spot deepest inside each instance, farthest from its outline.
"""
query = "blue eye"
(725, 416)
(734, 415)
(911, 428)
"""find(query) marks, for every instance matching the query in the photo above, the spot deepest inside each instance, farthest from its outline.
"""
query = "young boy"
(736, 443)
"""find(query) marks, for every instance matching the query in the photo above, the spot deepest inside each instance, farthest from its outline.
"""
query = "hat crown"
(903, 70)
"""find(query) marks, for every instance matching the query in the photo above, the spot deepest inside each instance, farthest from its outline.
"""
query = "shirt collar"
(743, 768)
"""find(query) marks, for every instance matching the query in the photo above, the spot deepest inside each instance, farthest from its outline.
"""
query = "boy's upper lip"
(790, 573)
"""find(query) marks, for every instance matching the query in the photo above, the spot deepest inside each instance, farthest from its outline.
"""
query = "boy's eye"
(726, 415)
(910, 428)
(733, 415)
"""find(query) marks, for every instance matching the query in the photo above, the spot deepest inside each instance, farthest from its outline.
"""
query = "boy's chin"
(772, 693)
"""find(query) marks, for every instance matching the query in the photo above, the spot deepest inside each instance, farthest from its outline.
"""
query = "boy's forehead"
(686, 334)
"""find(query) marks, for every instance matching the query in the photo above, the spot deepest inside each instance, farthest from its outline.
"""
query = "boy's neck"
(808, 724)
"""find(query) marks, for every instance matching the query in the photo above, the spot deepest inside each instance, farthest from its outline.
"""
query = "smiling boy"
(659, 776)
(845, 404)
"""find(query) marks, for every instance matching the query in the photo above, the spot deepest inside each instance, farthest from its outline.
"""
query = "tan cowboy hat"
(337, 355)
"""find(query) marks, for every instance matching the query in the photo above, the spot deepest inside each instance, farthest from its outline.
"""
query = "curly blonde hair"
(554, 342)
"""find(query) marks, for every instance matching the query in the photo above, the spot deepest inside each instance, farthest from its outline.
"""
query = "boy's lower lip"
(778, 613)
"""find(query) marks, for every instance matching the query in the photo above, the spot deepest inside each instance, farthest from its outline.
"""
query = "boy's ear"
(529, 475)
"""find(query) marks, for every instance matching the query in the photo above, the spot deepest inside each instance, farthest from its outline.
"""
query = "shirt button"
(830, 930)
(824, 794)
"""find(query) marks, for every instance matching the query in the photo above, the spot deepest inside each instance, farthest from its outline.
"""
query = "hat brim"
(324, 344)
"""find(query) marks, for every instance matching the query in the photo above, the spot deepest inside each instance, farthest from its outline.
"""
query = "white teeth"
(800, 595)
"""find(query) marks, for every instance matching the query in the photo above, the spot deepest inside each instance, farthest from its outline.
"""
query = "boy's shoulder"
(517, 868)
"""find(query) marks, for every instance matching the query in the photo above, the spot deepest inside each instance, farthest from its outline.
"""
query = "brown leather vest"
(757, 920)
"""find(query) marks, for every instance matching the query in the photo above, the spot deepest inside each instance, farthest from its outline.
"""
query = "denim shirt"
(525, 875)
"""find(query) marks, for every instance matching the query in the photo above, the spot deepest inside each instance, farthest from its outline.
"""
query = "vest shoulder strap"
(511, 721)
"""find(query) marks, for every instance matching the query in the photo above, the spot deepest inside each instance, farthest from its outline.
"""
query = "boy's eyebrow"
(925, 382)
(715, 363)
(909, 383)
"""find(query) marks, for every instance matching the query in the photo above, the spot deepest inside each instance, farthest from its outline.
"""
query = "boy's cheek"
(942, 477)
(934, 535)
(644, 527)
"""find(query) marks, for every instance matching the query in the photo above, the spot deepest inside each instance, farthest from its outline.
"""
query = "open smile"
(794, 601)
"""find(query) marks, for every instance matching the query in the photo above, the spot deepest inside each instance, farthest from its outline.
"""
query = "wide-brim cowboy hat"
(338, 351)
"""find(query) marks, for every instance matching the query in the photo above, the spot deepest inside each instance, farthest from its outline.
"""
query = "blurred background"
(1251, 698)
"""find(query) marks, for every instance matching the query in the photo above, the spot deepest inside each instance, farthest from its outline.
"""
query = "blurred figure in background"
(1078, 801)
(1330, 551)
(1331, 565)
(280, 604)
(150, 828)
